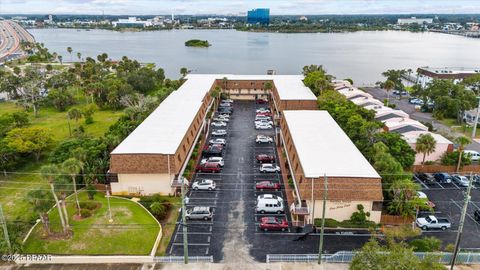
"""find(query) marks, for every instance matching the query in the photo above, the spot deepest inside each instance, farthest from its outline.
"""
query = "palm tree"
(70, 50)
(462, 141)
(388, 85)
(79, 56)
(75, 114)
(48, 172)
(215, 94)
(425, 144)
(41, 200)
(72, 166)
(60, 59)
(184, 71)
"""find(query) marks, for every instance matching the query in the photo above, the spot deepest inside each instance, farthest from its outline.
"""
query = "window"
(296, 167)
(188, 140)
(184, 149)
(178, 157)
(377, 206)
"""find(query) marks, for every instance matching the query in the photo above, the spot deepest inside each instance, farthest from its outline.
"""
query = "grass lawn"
(132, 232)
(460, 128)
(168, 225)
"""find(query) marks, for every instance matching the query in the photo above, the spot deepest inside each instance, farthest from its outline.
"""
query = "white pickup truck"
(431, 222)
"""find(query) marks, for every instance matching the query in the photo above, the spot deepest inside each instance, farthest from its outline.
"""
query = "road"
(11, 34)
(402, 104)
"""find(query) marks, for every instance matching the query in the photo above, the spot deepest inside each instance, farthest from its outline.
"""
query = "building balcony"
(301, 209)
(178, 182)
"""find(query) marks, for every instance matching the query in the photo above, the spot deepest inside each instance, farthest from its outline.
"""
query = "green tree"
(426, 145)
(461, 141)
(88, 112)
(388, 86)
(69, 50)
(41, 201)
(396, 77)
(184, 71)
(48, 173)
(72, 167)
(397, 147)
(215, 94)
(158, 209)
(405, 201)
(29, 140)
(74, 114)
(60, 59)
(79, 56)
(91, 191)
(426, 244)
(60, 99)
(473, 83)
(268, 86)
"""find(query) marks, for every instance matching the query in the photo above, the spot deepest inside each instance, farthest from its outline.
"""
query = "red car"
(264, 114)
(215, 146)
(262, 158)
(267, 185)
(208, 167)
(262, 101)
(273, 223)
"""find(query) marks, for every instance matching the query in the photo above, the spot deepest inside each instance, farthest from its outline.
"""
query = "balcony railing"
(299, 209)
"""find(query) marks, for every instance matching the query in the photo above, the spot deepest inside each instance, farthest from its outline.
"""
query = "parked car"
(219, 132)
(267, 185)
(213, 146)
(476, 216)
(225, 104)
(432, 222)
(212, 152)
(221, 119)
(219, 124)
(460, 180)
(415, 101)
(443, 177)
(208, 167)
(269, 205)
(225, 110)
(424, 196)
(262, 101)
(474, 155)
(225, 116)
(263, 158)
(218, 160)
(227, 101)
(273, 223)
(263, 126)
(263, 139)
(218, 141)
(269, 168)
(427, 178)
(269, 196)
(263, 110)
(204, 184)
(264, 121)
(264, 114)
(262, 117)
(199, 212)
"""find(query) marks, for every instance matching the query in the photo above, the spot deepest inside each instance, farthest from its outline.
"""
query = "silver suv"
(199, 212)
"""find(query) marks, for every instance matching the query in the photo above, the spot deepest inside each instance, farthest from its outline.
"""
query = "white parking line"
(453, 183)
(421, 182)
(460, 207)
(191, 244)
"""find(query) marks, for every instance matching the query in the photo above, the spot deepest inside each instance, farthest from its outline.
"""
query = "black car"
(212, 152)
(443, 177)
(426, 178)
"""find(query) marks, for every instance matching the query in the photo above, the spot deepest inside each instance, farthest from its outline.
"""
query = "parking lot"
(234, 228)
(449, 200)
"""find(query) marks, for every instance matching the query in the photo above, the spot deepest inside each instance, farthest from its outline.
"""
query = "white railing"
(180, 259)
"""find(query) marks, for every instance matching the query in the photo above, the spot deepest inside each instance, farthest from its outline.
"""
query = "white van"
(262, 117)
(269, 206)
(474, 155)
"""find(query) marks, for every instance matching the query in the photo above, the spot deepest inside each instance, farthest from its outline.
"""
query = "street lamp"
(476, 120)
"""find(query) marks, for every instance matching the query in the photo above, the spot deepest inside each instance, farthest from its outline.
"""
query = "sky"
(237, 7)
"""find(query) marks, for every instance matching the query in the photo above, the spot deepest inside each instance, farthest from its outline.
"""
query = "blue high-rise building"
(259, 16)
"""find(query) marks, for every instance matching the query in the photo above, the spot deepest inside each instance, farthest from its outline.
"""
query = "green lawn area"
(460, 128)
(132, 232)
(168, 225)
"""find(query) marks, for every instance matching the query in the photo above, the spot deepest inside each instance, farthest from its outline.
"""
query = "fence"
(180, 259)
(347, 256)
(395, 220)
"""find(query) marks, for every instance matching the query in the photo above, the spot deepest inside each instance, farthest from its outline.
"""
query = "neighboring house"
(353, 93)
(402, 125)
(386, 113)
(427, 74)
(316, 147)
(364, 101)
(443, 145)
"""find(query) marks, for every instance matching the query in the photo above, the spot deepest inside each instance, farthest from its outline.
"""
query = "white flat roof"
(323, 147)
(163, 130)
(412, 137)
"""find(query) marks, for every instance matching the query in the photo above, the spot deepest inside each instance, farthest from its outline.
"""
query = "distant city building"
(131, 22)
(303, 18)
(19, 18)
(413, 20)
(427, 74)
(258, 16)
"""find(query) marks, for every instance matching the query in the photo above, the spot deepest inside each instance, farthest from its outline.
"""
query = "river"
(361, 56)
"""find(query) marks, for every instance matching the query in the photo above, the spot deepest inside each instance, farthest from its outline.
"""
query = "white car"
(270, 168)
(220, 119)
(460, 180)
(262, 110)
(224, 115)
(422, 195)
(269, 196)
(219, 124)
(218, 160)
(474, 155)
(263, 139)
(263, 126)
(218, 141)
(263, 121)
(219, 132)
(262, 117)
(204, 184)
(227, 101)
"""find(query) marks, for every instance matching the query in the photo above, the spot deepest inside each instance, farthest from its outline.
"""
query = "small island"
(197, 43)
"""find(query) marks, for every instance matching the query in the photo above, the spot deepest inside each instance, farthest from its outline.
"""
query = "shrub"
(360, 216)
(429, 162)
(88, 205)
(290, 182)
(158, 210)
(85, 213)
(91, 191)
(451, 158)
(426, 244)
(329, 222)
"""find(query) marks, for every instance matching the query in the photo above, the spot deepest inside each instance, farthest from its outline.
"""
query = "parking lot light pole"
(476, 120)
(184, 223)
(462, 221)
(320, 246)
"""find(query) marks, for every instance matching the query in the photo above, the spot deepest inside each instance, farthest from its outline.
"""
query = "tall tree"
(72, 167)
(426, 145)
(70, 50)
(48, 173)
(388, 86)
(184, 71)
(462, 141)
(29, 140)
(215, 94)
(79, 56)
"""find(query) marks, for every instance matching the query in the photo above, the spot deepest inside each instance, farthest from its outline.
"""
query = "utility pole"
(184, 223)
(320, 248)
(462, 220)
(476, 120)
(3, 222)
(109, 208)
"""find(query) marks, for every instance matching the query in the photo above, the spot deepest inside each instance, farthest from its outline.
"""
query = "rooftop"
(451, 70)
(163, 130)
(412, 136)
(323, 147)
